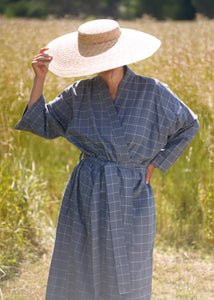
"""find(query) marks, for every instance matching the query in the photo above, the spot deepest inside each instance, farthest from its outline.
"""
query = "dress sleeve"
(182, 127)
(48, 120)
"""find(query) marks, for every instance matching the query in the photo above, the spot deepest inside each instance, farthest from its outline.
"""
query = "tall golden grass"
(34, 171)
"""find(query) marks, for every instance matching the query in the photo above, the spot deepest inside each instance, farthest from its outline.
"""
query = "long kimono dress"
(106, 225)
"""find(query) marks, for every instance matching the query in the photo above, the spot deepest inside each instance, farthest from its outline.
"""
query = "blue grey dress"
(106, 225)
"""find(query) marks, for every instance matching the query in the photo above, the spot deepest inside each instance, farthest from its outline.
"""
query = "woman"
(125, 125)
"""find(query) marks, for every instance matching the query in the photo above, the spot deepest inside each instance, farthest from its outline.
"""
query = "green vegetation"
(126, 9)
(34, 171)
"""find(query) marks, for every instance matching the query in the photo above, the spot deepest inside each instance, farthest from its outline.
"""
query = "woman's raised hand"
(40, 63)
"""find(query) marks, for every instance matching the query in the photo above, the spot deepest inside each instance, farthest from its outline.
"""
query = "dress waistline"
(129, 165)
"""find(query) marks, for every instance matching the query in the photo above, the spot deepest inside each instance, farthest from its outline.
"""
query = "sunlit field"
(34, 171)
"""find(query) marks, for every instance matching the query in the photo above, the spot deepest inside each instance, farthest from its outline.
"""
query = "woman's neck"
(112, 79)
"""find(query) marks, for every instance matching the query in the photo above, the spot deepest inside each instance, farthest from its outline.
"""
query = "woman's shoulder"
(153, 83)
(160, 92)
(149, 82)
(79, 86)
(158, 87)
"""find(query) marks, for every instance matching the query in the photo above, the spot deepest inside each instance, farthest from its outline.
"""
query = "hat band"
(98, 37)
(89, 50)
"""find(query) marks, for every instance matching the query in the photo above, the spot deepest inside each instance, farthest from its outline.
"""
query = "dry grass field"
(178, 275)
(34, 172)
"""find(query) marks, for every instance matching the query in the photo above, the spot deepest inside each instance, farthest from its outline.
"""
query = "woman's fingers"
(42, 50)
(43, 57)
(149, 172)
(41, 62)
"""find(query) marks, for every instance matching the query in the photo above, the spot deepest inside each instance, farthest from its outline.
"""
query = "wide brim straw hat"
(98, 46)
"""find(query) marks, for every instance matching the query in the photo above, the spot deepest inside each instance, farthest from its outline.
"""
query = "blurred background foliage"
(124, 9)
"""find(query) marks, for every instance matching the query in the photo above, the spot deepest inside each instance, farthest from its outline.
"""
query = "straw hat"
(98, 46)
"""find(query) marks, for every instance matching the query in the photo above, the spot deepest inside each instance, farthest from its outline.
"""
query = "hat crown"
(98, 31)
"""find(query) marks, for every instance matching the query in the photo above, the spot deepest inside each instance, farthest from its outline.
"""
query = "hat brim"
(132, 46)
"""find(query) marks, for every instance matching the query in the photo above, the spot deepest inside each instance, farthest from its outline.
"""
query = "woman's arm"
(179, 125)
(39, 65)
(46, 120)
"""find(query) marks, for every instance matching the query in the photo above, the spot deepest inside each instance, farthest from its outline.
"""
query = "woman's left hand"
(149, 172)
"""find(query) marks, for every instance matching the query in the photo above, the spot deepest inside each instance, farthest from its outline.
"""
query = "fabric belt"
(118, 232)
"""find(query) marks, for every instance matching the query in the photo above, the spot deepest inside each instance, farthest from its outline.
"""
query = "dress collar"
(124, 82)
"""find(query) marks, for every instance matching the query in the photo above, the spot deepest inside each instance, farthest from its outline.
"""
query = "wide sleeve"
(48, 120)
(182, 127)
